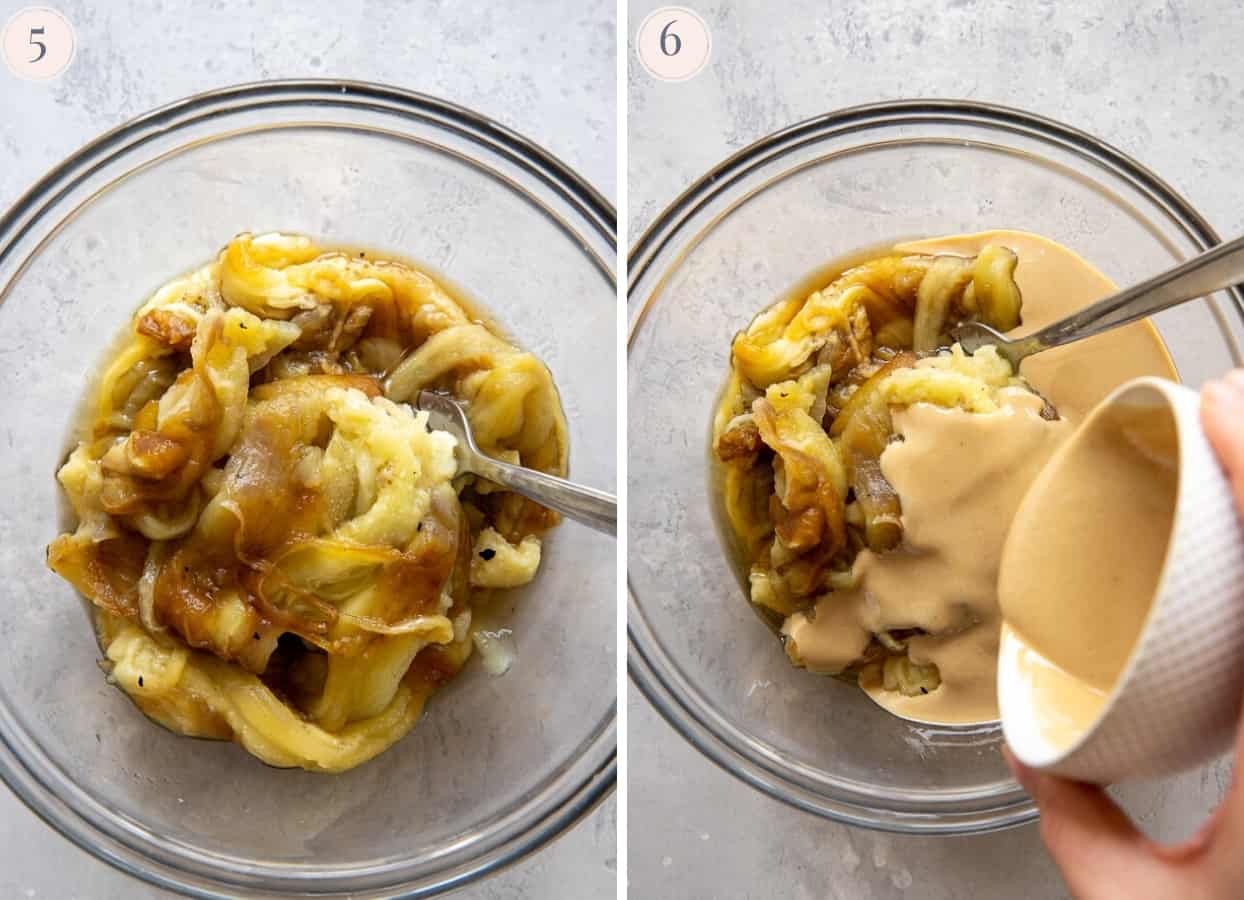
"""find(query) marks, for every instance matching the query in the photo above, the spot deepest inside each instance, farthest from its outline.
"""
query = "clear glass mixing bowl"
(497, 766)
(735, 240)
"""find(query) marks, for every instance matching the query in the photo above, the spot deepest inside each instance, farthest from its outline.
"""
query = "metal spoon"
(593, 508)
(1212, 271)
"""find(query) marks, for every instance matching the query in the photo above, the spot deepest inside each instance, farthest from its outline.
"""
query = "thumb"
(1097, 849)
(1222, 417)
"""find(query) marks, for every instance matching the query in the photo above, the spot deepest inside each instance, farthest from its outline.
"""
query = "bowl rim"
(570, 793)
(516, 148)
(703, 726)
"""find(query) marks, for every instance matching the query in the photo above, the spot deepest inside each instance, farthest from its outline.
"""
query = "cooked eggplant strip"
(811, 481)
(993, 291)
(863, 430)
(938, 298)
(868, 405)
(907, 301)
(780, 342)
(746, 495)
(883, 511)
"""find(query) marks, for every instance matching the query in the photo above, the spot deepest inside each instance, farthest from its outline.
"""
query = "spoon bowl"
(586, 505)
(972, 336)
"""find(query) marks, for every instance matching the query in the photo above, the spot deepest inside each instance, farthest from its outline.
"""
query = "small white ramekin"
(1177, 702)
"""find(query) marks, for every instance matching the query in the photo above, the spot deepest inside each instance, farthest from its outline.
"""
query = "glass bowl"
(734, 241)
(497, 766)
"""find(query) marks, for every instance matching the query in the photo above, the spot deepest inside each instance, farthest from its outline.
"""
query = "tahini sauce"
(1083, 561)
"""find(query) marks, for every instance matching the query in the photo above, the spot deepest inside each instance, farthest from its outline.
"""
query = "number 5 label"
(673, 43)
(38, 43)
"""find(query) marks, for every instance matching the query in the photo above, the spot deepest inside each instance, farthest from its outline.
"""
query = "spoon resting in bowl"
(591, 507)
(1213, 270)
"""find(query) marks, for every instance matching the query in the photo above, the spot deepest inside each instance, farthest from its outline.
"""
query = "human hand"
(1100, 853)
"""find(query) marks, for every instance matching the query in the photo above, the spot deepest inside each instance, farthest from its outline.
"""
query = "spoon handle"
(593, 508)
(1213, 270)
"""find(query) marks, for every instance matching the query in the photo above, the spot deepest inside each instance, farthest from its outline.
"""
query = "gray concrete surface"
(1160, 80)
(545, 68)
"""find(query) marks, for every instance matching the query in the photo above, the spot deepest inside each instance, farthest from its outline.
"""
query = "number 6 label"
(38, 43)
(673, 43)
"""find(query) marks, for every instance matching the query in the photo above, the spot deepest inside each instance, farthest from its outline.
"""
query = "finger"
(1226, 830)
(1097, 849)
(1222, 417)
(1080, 819)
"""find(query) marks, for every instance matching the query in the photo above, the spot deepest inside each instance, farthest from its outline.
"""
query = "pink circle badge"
(38, 43)
(673, 43)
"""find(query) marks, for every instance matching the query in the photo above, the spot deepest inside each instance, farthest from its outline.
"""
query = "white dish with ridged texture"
(1177, 700)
